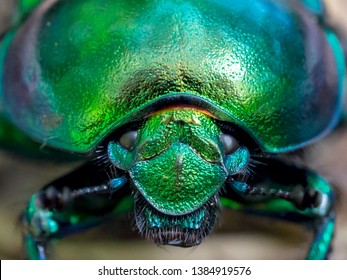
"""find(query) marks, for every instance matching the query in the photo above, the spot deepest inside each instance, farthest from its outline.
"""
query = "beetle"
(178, 107)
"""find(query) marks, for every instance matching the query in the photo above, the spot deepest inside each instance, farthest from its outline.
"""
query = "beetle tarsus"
(48, 214)
(305, 190)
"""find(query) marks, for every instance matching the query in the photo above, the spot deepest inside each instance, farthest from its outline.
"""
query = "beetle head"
(178, 161)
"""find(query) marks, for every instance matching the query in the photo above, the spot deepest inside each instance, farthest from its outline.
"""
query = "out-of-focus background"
(236, 237)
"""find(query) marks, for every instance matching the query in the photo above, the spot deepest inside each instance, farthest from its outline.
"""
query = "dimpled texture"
(78, 69)
(177, 162)
(170, 182)
(187, 126)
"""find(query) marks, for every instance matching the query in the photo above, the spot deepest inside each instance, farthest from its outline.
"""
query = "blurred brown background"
(237, 237)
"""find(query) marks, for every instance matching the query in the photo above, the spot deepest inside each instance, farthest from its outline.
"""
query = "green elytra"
(84, 68)
(76, 71)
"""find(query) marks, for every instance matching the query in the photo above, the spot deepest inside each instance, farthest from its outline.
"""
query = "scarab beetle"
(180, 106)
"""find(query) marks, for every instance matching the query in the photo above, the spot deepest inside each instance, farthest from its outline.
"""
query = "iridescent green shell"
(77, 70)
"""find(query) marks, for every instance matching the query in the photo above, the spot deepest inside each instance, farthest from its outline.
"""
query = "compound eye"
(128, 140)
(230, 144)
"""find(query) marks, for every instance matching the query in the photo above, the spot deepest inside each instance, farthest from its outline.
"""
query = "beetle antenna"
(301, 197)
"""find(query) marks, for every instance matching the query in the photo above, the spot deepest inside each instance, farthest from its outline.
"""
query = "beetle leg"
(70, 204)
(287, 192)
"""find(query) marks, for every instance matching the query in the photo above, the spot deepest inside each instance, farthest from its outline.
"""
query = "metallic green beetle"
(179, 106)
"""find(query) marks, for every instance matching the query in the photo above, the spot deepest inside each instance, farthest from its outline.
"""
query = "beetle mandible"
(180, 106)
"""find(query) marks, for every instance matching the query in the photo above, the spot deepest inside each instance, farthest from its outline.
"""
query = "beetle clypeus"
(179, 106)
